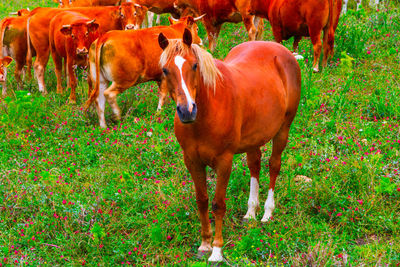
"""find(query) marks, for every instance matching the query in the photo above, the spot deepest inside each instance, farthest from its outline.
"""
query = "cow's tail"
(95, 93)
(29, 48)
(3, 27)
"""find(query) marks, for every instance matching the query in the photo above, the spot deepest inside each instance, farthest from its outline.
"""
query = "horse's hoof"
(216, 255)
(315, 70)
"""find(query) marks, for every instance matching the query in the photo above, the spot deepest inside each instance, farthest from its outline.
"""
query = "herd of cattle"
(82, 33)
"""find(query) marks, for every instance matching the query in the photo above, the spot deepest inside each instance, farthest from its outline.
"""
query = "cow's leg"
(158, 19)
(249, 24)
(150, 17)
(111, 96)
(358, 4)
(223, 169)
(162, 94)
(328, 44)
(278, 145)
(58, 70)
(90, 84)
(4, 90)
(17, 74)
(344, 6)
(296, 46)
(101, 102)
(72, 80)
(198, 172)
(254, 163)
(212, 34)
(315, 34)
(259, 24)
(40, 67)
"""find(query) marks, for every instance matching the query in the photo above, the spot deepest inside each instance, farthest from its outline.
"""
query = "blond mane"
(208, 70)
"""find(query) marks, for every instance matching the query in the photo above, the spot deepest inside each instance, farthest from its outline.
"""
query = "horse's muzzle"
(185, 115)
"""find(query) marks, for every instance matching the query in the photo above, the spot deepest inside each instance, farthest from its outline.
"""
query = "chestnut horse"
(230, 107)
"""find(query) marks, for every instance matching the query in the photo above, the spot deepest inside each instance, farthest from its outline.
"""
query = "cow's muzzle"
(82, 51)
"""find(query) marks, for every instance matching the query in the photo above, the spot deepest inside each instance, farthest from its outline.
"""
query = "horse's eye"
(72, 36)
(165, 71)
(135, 13)
(195, 66)
(122, 15)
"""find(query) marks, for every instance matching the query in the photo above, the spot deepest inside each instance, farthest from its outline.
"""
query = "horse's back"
(268, 60)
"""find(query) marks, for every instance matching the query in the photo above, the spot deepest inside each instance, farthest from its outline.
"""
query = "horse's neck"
(209, 98)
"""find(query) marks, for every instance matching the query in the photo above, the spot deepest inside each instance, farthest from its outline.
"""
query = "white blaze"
(179, 63)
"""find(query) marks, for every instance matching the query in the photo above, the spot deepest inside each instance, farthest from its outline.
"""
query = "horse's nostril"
(194, 108)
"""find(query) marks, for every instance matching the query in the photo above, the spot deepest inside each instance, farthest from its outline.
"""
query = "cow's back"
(297, 16)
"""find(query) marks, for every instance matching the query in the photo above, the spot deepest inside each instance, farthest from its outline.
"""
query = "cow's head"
(82, 35)
(190, 25)
(4, 62)
(21, 12)
(63, 3)
(132, 15)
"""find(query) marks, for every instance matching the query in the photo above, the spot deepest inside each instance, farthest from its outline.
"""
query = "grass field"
(72, 193)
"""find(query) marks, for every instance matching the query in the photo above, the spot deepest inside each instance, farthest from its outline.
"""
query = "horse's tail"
(95, 93)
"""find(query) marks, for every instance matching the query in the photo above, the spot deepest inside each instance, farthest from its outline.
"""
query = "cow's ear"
(92, 26)
(66, 30)
(187, 37)
(6, 61)
(162, 41)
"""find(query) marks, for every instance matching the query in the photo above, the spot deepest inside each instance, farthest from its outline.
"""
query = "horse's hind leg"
(254, 163)
(278, 145)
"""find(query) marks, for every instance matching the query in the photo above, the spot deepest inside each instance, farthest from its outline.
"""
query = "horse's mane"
(208, 70)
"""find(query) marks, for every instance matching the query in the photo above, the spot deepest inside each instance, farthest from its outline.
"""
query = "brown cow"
(87, 3)
(300, 18)
(221, 11)
(160, 6)
(4, 62)
(13, 43)
(126, 58)
(71, 35)
(109, 18)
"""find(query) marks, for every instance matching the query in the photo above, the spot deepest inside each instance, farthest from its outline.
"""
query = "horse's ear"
(162, 41)
(187, 37)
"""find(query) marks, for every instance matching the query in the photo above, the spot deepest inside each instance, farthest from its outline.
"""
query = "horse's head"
(181, 76)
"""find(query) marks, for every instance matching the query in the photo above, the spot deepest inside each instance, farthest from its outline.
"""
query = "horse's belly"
(258, 132)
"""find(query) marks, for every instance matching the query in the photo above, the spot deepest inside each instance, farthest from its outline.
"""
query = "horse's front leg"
(198, 172)
(223, 169)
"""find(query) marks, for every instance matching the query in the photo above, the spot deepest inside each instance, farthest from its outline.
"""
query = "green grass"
(72, 193)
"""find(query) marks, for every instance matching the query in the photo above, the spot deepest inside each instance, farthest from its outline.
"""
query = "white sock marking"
(269, 206)
(253, 202)
(179, 63)
(216, 255)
